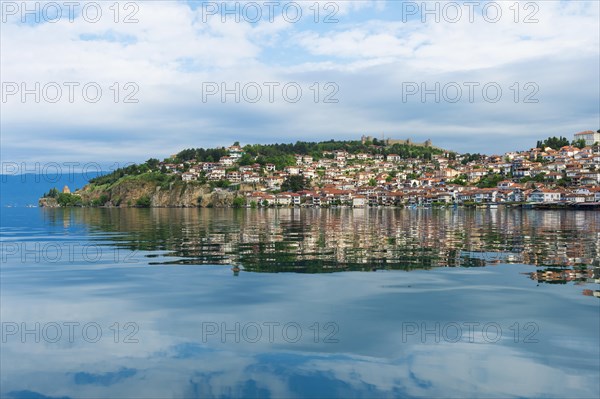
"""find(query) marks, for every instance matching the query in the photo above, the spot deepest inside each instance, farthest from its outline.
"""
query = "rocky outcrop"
(48, 203)
(131, 193)
(180, 196)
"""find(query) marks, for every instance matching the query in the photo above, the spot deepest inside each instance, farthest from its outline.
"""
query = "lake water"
(291, 303)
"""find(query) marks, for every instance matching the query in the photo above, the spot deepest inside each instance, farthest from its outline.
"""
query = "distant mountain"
(25, 189)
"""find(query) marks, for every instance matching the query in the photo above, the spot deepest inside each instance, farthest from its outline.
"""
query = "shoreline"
(534, 206)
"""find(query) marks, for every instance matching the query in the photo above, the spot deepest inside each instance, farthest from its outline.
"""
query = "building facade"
(589, 136)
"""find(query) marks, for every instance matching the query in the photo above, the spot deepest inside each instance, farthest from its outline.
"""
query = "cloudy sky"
(148, 78)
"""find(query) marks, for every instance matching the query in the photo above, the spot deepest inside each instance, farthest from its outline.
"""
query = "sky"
(117, 82)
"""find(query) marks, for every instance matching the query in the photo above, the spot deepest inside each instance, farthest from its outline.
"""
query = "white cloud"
(173, 49)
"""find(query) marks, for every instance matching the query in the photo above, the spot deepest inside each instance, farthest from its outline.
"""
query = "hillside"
(165, 183)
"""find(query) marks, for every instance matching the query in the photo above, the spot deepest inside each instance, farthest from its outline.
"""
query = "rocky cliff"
(140, 193)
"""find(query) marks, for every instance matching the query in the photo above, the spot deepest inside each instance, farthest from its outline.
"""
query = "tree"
(460, 180)
(100, 201)
(238, 202)
(219, 184)
(470, 158)
(490, 180)
(143, 202)
(186, 155)
(53, 193)
(246, 159)
(564, 182)
(556, 143)
(294, 183)
(540, 177)
(153, 163)
(67, 199)
(579, 143)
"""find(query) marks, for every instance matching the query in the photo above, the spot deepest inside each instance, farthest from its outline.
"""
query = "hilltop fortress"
(388, 141)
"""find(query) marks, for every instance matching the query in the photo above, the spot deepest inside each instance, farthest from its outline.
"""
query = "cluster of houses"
(372, 196)
(569, 175)
(580, 276)
(590, 275)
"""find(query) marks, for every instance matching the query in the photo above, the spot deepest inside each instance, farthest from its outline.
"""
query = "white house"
(188, 176)
(589, 136)
(544, 195)
(292, 170)
(295, 198)
(484, 195)
(284, 199)
(226, 161)
(359, 201)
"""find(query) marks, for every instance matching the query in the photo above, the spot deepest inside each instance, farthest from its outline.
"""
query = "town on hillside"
(375, 172)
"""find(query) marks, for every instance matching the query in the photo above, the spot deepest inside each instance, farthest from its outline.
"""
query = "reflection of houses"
(550, 275)
(588, 292)
(354, 238)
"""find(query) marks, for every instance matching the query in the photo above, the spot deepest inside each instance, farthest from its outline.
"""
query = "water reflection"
(370, 359)
(315, 240)
(579, 276)
(172, 304)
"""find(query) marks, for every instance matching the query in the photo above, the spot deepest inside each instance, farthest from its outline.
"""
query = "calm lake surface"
(295, 303)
